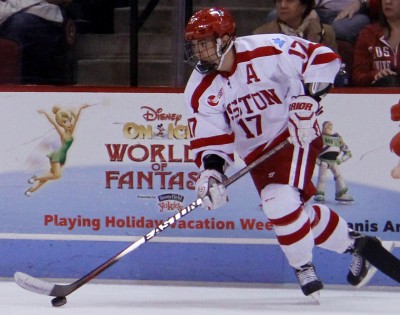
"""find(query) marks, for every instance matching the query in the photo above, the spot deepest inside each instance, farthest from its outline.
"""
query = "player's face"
(290, 12)
(205, 50)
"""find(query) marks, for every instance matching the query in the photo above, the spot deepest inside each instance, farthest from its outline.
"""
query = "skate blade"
(388, 245)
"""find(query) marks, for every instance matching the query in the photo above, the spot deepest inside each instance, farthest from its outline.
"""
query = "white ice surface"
(142, 299)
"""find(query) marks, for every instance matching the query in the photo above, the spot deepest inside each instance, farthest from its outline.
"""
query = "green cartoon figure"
(334, 152)
(64, 122)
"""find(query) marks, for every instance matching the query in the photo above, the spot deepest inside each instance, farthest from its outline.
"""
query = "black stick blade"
(373, 251)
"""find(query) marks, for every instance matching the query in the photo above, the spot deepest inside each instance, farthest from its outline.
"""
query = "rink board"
(129, 169)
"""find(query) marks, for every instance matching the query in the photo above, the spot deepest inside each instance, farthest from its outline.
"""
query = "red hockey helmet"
(211, 22)
(208, 25)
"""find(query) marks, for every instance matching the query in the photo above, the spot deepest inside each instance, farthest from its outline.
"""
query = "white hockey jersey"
(248, 108)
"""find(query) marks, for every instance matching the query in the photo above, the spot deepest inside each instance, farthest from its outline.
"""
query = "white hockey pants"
(299, 227)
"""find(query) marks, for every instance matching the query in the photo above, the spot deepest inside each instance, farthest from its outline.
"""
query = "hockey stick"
(62, 290)
(387, 246)
(380, 256)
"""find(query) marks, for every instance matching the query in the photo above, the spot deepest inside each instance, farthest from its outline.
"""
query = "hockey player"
(249, 94)
(334, 152)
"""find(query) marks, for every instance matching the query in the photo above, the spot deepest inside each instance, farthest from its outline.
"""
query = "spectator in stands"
(347, 17)
(376, 53)
(294, 18)
(37, 26)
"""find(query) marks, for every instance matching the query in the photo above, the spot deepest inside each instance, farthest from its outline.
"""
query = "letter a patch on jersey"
(251, 74)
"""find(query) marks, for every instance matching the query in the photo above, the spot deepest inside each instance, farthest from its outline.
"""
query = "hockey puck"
(59, 301)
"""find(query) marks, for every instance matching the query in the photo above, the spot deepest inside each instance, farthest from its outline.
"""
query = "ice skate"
(319, 197)
(359, 266)
(308, 280)
(360, 270)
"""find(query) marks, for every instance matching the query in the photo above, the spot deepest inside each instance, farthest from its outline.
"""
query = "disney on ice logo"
(152, 114)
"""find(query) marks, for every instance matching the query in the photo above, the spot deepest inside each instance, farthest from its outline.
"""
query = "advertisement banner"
(112, 166)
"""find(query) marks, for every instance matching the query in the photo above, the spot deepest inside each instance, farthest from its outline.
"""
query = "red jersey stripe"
(258, 52)
(325, 58)
(322, 58)
(198, 92)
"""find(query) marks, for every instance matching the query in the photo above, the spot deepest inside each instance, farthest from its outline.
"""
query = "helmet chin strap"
(221, 52)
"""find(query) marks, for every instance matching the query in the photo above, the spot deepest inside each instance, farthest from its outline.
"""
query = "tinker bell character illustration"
(64, 122)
